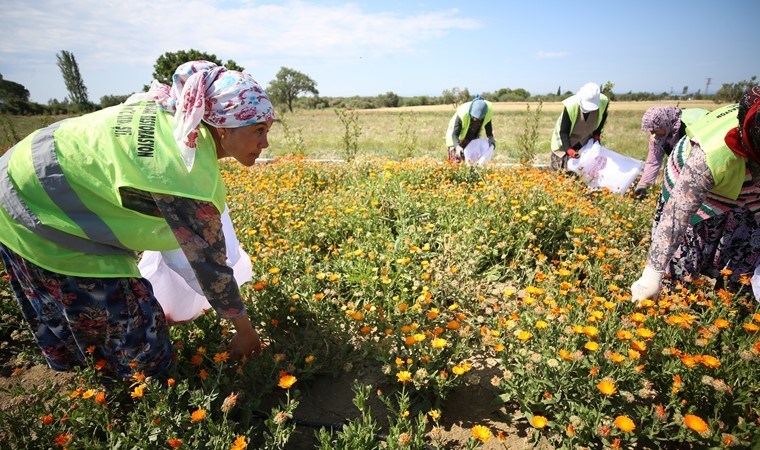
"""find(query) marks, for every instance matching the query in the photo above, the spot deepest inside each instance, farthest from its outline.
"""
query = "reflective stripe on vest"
(45, 161)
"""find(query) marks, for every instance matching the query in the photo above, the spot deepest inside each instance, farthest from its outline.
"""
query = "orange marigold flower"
(174, 442)
(286, 381)
(63, 439)
(452, 325)
(239, 444)
(100, 398)
(695, 423)
(639, 346)
(100, 364)
(710, 361)
(646, 333)
(196, 359)
(198, 415)
(594, 371)
(539, 422)
(625, 424)
(751, 327)
(607, 387)
(47, 420)
(721, 323)
(481, 433)
(171, 382)
(203, 374)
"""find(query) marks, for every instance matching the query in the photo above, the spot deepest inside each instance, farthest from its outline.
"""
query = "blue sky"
(407, 47)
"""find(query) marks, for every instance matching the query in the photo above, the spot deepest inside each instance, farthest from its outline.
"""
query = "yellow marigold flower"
(607, 387)
(541, 324)
(435, 414)
(334, 277)
(286, 381)
(624, 335)
(639, 346)
(695, 423)
(625, 424)
(538, 422)
(481, 433)
(419, 337)
(198, 415)
(638, 317)
(617, 357)
(498, 348)
(633, 354)
(646, 333)
(404, 376)
(564, 354)
(439, 343)
(524, 335)
(274, 270)
(138, 392)
(591, 346)
(751, 327)
(88, 393)
(590, 331)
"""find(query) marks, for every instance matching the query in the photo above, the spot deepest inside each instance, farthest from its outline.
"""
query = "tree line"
(292, 89)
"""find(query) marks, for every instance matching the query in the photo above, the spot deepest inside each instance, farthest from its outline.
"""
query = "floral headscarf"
(666, 118)
(744, 140)
(204, 91)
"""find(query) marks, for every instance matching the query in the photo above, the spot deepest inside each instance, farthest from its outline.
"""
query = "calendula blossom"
(695, 423)
(198, 415)
(607, 387)
(404, 376)
(286, 381)
(539, 422)
(625, 424)
(481, 433)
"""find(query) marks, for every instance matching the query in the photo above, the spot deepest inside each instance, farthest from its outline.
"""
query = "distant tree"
(732, 92)
(167, 64)
(288, 85)
(73, 80)
(456, 96)
(112, 100)
(607, 90)
(559, 91)
(685, 90)
(388, 100)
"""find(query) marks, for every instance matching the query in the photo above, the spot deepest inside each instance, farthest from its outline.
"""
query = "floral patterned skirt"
(728, 241)
(116, 323)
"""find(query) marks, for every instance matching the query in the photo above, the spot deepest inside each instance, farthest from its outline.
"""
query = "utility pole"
(707, 85)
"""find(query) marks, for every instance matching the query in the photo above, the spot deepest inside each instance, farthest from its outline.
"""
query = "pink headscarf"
(204, 91)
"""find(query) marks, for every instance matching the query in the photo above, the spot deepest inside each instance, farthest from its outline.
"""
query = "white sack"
(174, 282)
(601, 167)
(756, 283)
(478, 151)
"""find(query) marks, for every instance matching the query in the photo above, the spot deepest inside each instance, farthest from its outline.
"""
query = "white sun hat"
(588, 97)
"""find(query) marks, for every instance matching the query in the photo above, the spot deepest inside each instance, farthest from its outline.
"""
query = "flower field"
(413, 273)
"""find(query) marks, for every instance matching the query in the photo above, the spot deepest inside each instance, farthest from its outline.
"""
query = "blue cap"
(478, 109)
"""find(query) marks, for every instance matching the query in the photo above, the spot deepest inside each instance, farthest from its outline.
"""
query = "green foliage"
(408, 142)
(293, 139)
(527, 139)
(167, 64)
(112, 100)
(352, 130)
(73, 80)
(388, 100)
(288, 85)
(732, 92)
(607, 90)
(14, 97)
(455, 96)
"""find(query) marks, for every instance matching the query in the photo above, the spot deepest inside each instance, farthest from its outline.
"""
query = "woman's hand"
(648, 286)
(246, 340)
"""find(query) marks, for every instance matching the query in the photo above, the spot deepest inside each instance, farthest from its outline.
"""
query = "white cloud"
(138, 31)
(545, 54)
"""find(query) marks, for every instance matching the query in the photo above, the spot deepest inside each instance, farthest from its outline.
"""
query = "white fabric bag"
(478, 151)
(174, 282)
(756, 283)
(601, 167)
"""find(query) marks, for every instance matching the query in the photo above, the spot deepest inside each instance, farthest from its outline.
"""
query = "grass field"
(385, 131)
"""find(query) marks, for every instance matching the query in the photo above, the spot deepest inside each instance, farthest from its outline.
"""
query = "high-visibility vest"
(60, 202)
(463, 112)
(573, 108)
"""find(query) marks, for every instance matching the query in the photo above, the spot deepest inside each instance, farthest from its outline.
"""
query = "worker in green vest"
(666, 125)
(583, 117)
(708, 215)
(80, 198)
(468, 122)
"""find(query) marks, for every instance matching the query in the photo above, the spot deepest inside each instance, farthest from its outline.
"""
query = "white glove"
(648, 286)
(459, 149)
